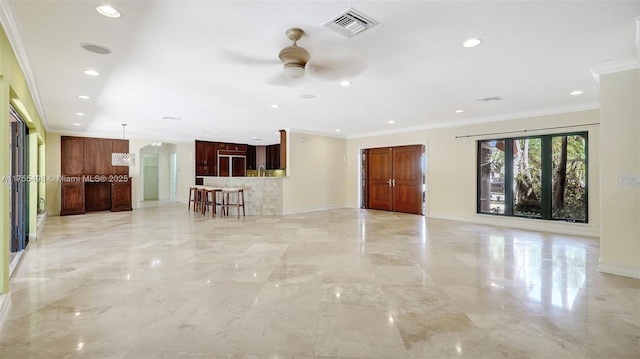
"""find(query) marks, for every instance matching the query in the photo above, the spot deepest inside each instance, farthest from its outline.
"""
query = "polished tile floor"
(163, 282)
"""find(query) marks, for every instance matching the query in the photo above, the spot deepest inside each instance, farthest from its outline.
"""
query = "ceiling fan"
(294, 58)
(338, 62)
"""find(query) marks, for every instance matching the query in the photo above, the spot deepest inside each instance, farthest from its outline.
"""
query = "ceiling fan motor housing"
(294, 57)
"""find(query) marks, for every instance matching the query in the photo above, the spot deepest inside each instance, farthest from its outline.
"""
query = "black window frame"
(546, 148)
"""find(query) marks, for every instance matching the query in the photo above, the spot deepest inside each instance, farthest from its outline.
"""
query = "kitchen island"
(262, 195)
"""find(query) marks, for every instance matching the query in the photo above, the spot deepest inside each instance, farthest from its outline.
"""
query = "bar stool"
(193, 196)
(200, 200)
(226, 192)
(209, 201)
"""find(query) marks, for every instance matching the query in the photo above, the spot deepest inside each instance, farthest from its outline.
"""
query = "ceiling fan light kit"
(294, 58)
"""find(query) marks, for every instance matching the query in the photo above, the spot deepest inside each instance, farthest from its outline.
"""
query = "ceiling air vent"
(350, 23)
(491, 99)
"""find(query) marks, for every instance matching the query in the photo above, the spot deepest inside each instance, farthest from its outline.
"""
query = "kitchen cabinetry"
(251, 158)
(71, 161)
(221, 159)
(121, 196)
(273, 157)
(89, 181)
(72, 196)
(234, 159)
(206, 158)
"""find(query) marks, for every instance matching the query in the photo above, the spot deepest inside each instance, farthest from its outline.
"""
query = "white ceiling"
(214, 64)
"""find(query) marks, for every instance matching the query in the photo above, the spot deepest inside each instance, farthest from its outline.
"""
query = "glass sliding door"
(19, 183)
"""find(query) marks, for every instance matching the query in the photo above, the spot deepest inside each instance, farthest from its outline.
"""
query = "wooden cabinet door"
(224, 166)
(97, 196)
(121, 196)
(238, 166)
(97, 156)
(273, 157)
(119, 146)
(71, 155)
(407, 179)
(251, 157)
(201, 158)
(211, 152)
(72, 198)
(379, 175)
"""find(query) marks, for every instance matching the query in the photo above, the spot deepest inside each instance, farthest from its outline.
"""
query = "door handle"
(389, 182)
(393, 182)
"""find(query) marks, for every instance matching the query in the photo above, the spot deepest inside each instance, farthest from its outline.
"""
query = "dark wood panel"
(72, 196)
(224, 166)
(379, 171)
(97, 156)
(283, 149)
(201, 157)
(121, 196)
(251, 157)
(71, 155)
(119, 146)
(211, 163)
(238, 166)
(407, 179)
(97, 196)
(273, 157)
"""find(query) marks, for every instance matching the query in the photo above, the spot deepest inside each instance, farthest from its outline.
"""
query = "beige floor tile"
(164, 282)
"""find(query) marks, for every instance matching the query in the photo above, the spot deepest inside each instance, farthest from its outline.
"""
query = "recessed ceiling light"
(576, 93)
(108, 11)
(391, 122)
(473, 42)
(79, 113)
(307, 96)
(338, 130)
(345, 83)
(77, 124)
(84, 97)
(91, 72)
(207, 135)
(275, 106)
(459, 111)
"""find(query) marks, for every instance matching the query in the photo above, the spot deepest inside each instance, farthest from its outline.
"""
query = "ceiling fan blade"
(337, 64)
(242, 59)
(334, 71)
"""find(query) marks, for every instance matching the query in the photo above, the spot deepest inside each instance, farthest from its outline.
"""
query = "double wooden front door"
(394, 178)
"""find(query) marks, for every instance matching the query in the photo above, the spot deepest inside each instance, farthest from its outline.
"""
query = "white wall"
(620, 151)
(316, 172)
(451, 167)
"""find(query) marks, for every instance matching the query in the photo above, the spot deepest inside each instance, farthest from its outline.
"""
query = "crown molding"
(480, 120)
(12, 30)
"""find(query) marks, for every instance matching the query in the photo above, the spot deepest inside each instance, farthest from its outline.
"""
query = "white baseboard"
(14, 263)
(5, 303)
(620, 269)
(574, 229)
(313, 209)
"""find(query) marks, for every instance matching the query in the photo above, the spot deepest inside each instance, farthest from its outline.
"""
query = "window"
(538, 177)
